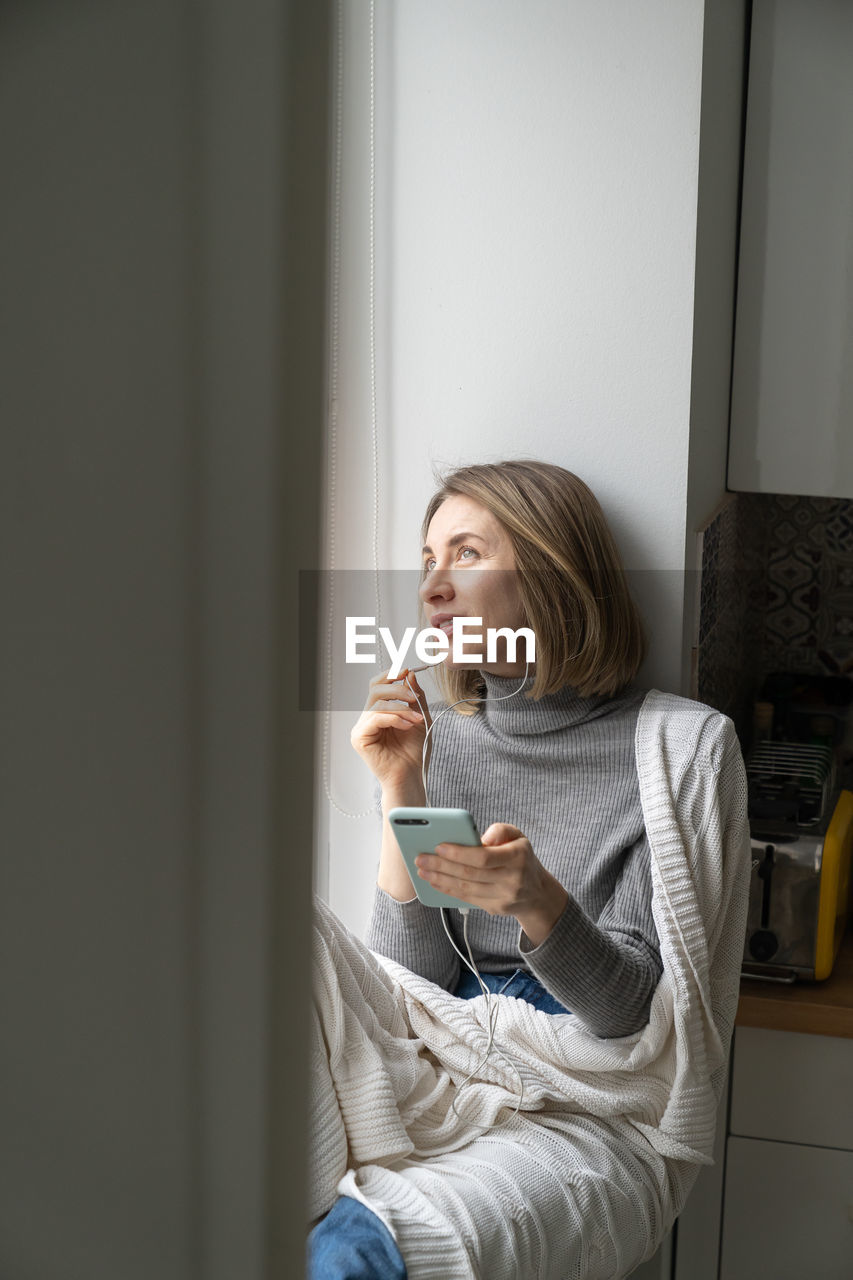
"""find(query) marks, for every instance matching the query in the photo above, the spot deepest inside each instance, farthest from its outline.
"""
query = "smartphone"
(419, 831)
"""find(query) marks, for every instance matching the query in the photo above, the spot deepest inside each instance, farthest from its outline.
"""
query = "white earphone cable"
(491, 1022)
(469, 962)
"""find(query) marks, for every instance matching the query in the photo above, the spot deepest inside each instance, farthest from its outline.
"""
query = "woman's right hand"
(389, 734)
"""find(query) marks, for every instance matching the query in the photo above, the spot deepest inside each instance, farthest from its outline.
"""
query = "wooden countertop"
(819, 1008)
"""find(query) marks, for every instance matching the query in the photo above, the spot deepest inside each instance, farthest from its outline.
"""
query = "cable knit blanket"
(587, 1178)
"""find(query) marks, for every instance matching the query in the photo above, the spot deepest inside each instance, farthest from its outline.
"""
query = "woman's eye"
(429, 563)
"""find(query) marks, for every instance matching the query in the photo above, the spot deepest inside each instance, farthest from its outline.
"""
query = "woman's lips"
(446, 624)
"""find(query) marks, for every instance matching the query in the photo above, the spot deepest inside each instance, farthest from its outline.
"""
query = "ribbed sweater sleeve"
(605, 971)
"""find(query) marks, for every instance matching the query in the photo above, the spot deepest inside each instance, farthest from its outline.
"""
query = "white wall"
(535, 238)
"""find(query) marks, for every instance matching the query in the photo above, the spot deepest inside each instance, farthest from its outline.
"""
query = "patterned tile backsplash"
(776, 594)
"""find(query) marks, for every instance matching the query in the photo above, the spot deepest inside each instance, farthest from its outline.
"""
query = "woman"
(549, 776)
(546, 764)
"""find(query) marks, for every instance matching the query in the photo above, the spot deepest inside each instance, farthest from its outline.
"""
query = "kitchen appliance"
(801, 825)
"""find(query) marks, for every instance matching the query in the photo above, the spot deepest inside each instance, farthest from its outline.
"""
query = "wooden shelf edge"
(813, 1008)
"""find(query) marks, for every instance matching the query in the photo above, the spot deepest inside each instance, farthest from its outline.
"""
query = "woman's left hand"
(503, 877)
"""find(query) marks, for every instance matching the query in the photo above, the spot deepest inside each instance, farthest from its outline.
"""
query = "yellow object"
(834, 885)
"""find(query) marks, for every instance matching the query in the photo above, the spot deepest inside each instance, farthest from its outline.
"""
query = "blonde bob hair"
(572, 585)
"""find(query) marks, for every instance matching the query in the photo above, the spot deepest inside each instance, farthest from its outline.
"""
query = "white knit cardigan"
(587, 1178)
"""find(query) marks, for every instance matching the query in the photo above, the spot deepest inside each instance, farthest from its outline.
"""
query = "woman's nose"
(437, 584)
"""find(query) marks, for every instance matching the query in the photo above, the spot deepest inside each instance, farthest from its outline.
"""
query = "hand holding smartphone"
(419, 830)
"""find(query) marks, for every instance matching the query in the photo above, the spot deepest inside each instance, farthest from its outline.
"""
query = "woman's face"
(465, 545)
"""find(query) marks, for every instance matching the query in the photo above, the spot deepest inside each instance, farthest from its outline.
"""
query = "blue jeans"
(351, 1243)
(518, 983)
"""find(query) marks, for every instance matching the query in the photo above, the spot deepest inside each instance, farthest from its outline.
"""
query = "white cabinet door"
(788, 1212)
(792, 391)
(791, 1087)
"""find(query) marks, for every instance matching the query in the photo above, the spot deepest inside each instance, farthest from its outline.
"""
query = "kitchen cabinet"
(788, 1202)
(789, 1108)
(793, 1088)
(788, 1212)
(791, 428)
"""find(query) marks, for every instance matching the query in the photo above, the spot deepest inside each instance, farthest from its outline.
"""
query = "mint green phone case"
(419, 831)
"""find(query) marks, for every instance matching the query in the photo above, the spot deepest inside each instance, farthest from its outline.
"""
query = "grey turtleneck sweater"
(563, 771)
